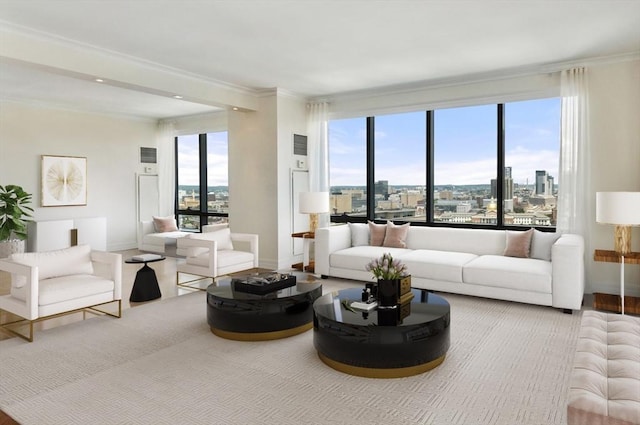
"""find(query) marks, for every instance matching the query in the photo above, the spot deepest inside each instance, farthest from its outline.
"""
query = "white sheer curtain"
(166, 168)
(318, 147)
(574, 194)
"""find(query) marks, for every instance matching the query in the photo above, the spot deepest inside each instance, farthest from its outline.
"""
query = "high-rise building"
(541, 182)
(507, 187)
(544, 183)
(382, 188)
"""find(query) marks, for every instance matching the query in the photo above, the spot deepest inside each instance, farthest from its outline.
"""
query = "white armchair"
(216, 253)
(52, 283)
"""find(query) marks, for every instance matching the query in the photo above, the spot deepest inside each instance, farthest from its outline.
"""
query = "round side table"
(145, 287)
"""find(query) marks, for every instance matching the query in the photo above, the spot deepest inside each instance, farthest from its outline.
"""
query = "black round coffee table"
(353, 342)
(243, 316)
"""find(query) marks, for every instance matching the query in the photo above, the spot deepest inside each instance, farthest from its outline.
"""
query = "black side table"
(145, 287)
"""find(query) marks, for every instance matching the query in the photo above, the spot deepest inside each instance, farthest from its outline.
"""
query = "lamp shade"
(314, 202)
(620, 208)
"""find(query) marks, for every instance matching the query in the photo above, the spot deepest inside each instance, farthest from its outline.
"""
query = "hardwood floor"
(165, 272)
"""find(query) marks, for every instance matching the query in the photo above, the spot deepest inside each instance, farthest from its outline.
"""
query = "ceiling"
(220, 54)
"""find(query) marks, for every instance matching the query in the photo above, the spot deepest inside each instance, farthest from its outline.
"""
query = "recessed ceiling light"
(99, 80)
(235, 108)
(177, 97)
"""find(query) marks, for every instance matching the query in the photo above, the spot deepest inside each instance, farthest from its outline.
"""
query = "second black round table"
(353, 342)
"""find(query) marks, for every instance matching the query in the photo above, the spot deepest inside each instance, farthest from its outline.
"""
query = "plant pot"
(388, 292)
(11, 246)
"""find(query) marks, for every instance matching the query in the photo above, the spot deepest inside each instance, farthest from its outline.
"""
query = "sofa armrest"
(568, 274)
(253, 242)
(109, 265)
(327, 241)
(29, 308)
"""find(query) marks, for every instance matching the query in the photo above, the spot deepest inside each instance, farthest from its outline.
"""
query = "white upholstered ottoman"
(605, 380)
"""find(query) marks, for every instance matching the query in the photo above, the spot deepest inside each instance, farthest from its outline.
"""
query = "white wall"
(614, 95)
(253, 185)
(260, 162)
(111, 145)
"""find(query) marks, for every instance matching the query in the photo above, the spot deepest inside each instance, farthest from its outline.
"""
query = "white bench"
(605, 380)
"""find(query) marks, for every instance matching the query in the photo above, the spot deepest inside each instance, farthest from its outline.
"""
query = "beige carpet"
(508, 363)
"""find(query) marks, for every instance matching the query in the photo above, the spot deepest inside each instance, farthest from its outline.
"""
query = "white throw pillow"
(541, 244)
(222, 236)
(61, 262)
(359, 234)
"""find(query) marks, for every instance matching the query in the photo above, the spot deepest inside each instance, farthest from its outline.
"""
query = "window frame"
(430, 179)
(203, 212)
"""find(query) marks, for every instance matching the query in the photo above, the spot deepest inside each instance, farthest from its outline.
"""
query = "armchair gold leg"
(6, 327)
(29, 337)
(189, 283)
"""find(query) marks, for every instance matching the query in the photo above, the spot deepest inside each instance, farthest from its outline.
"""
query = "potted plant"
(14, 215)
(393, 279)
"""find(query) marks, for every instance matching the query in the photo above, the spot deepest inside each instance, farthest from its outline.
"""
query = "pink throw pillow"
(376, 233)
(165, 224)
(518, 243)
(395, 236)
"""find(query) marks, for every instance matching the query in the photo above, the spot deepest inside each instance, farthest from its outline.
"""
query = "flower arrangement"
(386, 268)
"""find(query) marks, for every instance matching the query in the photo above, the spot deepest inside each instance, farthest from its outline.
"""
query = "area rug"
(509, 363)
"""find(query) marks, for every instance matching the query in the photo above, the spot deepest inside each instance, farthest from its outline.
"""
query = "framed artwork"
(64, 181)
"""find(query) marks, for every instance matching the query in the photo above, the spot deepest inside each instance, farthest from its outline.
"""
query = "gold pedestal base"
(367, 372)
(261, 336)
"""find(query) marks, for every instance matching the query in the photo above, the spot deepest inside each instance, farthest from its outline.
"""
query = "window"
(532, 155)
(202, 173)
(477, 166)
(465, 161)
(400, 171)
(348, 167)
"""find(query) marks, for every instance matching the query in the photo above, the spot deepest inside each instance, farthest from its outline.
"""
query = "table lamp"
(621, 209)
(314, 203)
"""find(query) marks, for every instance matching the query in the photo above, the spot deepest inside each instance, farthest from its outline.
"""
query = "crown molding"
(468, 79)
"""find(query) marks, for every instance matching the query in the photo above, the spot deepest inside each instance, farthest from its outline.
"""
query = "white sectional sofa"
(465, 261)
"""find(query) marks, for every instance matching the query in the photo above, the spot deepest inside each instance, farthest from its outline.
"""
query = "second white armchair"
(216, 253)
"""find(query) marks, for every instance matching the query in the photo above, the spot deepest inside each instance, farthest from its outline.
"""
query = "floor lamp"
(621, 209)
(314, 203)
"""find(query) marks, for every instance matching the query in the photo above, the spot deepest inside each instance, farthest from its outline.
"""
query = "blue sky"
(465, 149)
(217, 160)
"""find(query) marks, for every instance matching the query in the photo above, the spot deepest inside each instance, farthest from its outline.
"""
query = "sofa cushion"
(166, 238)
(60, 262)
(225, 258)
(395, 235)
(376, 233)
(541, 244)
(165, 224)
(357, 258)
(64, 288)
(474, 241)
(437, 265)
(525, 274)
(359, 234)
(518, 243)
